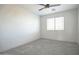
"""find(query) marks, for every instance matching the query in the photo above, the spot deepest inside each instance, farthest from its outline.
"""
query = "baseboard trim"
(60, 40)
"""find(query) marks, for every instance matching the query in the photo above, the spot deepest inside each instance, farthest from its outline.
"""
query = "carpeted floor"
(45, 47)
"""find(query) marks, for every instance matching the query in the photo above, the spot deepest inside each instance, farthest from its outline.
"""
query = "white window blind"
(59, 23)
(50, 24)
(55, 23)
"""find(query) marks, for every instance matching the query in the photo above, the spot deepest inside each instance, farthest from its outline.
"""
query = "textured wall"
(17, 26)
(70, 31)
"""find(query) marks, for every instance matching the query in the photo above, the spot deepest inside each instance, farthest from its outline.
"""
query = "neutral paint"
(17, 26)
(70, 23)
(78, 27)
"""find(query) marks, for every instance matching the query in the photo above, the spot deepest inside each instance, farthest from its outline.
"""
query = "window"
(55, 23)
(50, 24)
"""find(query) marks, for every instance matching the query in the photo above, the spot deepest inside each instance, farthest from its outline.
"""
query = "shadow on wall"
(18, 26)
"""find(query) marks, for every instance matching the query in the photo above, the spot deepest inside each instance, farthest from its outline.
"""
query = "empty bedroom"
(39, 29)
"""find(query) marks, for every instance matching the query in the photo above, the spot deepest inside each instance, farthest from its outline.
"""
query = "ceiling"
(35, 8)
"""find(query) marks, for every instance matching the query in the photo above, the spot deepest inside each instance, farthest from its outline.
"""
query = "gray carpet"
(45, 47)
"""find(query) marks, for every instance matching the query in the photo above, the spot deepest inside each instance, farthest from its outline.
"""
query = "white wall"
(70, 31)
(17, 26)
